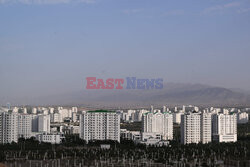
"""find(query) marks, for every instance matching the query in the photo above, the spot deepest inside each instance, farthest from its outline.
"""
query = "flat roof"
(100, 111)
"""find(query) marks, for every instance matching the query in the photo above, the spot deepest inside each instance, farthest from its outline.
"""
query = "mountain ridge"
(171, 94)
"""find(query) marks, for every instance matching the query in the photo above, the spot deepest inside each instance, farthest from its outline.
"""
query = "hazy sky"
(50, 46)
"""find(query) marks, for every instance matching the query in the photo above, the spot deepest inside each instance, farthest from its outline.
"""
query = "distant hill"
(171, 94)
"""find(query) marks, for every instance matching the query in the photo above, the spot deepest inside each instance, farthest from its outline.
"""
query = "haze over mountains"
(171, 94)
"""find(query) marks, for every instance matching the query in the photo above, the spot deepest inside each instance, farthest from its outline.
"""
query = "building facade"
(50, 138)
(100, 125)
(158, 123)
(224, 127)
(24, 126)
(206, 127)
(196, 127)
(190, 128)
(44, 123)
(242, 118)
(8, 127)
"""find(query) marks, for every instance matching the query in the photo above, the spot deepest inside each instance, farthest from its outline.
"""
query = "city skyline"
(124, 83)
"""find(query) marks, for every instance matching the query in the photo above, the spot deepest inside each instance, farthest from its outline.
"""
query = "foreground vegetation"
(73, 148)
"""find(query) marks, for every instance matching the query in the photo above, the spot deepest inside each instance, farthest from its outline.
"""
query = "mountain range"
(171, 94)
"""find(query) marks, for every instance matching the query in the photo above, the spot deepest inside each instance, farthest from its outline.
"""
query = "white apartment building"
(34, 110)
(24, 126)
(190, 108)
(190, 128)
(159, 123)
(196, 127)
(224, 127)
(242, 118)
(15, 109)
(74, 109)
(177, 117)
(100, 125)
(44, 123)
(65, 113)
(45, 112)
(74, 117)
(25, 110)
(129, 115)
(51, 110)
(56, 117)
(8, 127)
(139, 114)
(206, 127)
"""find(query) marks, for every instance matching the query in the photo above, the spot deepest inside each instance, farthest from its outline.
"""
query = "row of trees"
(74, 147)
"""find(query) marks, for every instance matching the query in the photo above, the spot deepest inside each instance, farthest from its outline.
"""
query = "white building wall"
(74, 116)
(34, 110)
(224, 127)
(50, 138)
(56, 117)
(97, 125)
(206, 128)
(8, 127)
(44, 123)
(159, 123)
(190, 128)
(24, 126)
(177, 117)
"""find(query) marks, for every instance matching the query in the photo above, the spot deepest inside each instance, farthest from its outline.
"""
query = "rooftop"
(101, 111)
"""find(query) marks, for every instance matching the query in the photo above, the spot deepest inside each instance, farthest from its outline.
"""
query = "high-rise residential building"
(177, 117)
(34, 110)
(24, 126)
(100, 125)
(44, 123)
(8, 127)
(51, 110)
(56, 117)
(45, 112)
(34, 123)
(158, 122)
(196, 127)
(224, 127)
(74, 117)
(65, 113)
(190, 128)
(25, 110)
(74, 109)
(15, 109)
(242, 118)
(139, 114)
(164, 109)
(206, 127)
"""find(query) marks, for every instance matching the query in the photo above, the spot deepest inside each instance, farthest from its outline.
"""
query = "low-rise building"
(50, 138)
(130, 135)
